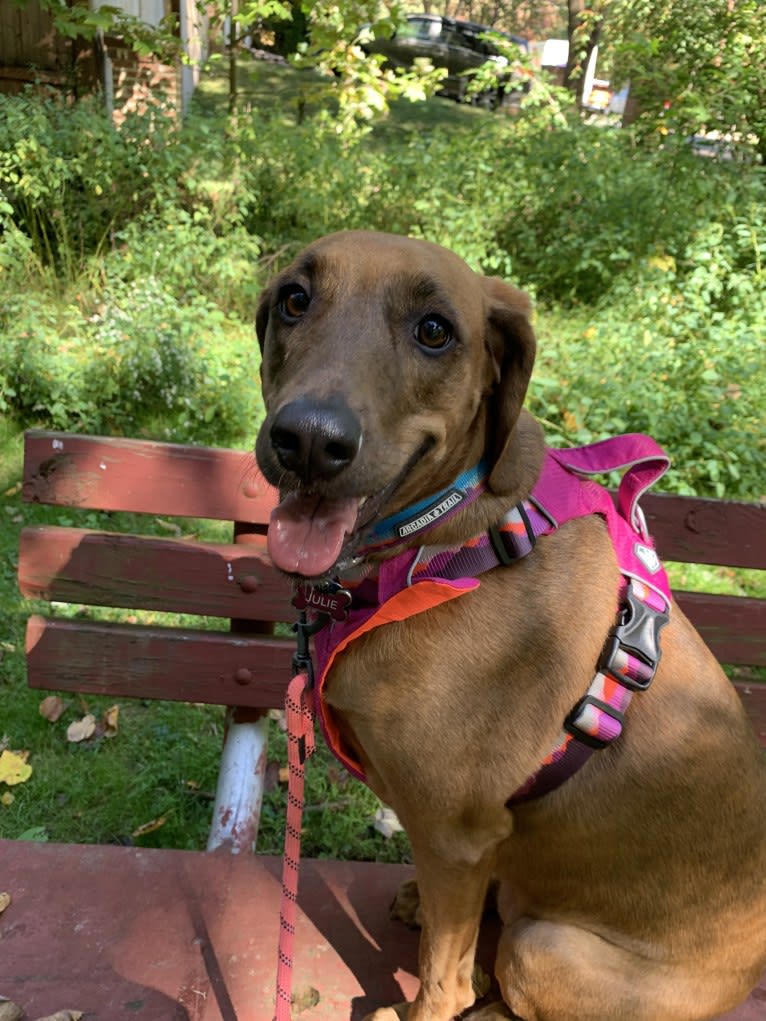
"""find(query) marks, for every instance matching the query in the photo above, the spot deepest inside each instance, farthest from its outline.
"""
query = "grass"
(284, 91)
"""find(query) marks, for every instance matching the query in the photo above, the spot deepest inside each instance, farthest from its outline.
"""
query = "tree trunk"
(583, 39)
(232, 48)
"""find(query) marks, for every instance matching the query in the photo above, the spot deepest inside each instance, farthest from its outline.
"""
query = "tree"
(330, 42)
(584, 22)
(694, 67)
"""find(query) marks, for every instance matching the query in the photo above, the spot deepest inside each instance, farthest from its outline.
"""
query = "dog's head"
(388, 368)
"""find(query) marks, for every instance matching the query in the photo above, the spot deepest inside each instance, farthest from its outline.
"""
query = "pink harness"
(563, 492)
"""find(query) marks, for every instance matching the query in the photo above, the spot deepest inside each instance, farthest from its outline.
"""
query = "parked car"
(450, 43)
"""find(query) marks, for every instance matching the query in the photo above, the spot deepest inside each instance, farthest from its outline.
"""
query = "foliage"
(360, 85)
(113, 363)
(68, 178)
(694, 67)
(665, 250)
(349, 89)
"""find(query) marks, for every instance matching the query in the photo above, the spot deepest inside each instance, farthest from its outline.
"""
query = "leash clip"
(632, 653)
(303, 629)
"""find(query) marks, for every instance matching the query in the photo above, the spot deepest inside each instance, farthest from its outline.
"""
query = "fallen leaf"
(149, 827)
(82, 729)
(62, 1015)
(5, 900)
(14, 768)
(51, 708)
(37, 834)
(304, 999)
(386, 823)
(10, 1011)
(109, 721)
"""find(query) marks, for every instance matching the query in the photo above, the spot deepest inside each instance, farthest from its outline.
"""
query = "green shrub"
(68, 177)
(647, 266)
(133, 356)
(677, 351)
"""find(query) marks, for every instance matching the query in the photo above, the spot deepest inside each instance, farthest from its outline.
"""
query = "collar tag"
(432, 514)
(329, 598)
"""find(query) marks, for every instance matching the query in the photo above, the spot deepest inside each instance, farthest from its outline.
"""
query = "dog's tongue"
(306, 534)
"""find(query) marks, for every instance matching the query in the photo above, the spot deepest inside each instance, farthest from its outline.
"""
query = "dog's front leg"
(451, 903)
(452, 898)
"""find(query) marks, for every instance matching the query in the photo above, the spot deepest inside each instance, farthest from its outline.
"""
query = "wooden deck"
(125, 934)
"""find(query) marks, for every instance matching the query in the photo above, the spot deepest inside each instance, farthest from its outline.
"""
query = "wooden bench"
(119, 932)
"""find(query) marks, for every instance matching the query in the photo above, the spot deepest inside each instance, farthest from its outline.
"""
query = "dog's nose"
(315, 439)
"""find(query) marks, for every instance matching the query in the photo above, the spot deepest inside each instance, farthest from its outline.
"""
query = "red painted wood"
(73, 565)
(122, 933)
(700, 531)
(181, 664)
(139, 475)
(734, 627)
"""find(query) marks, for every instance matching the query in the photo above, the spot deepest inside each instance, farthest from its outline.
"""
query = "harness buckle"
(573, 724)
(510, 546)
(632, 652)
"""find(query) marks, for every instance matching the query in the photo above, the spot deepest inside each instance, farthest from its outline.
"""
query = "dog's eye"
(293, 302)
(434, 333)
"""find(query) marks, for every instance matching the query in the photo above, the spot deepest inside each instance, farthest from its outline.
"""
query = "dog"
(634, 890)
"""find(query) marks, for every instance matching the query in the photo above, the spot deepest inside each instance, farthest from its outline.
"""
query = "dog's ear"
(511, 348)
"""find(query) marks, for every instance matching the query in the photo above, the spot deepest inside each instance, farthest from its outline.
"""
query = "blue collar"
(432, 511)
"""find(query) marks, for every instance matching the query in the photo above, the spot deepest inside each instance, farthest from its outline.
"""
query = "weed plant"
(130, 264)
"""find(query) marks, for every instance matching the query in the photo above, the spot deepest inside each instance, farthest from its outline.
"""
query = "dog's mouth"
(307, 532)
(312, 533)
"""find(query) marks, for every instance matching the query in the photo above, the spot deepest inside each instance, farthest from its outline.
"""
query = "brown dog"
(636, 890)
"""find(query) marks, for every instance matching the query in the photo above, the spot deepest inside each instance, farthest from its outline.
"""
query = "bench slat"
(238, 581)
(699, 531)
(734, 627)
(143, 476)
(178, 664)
(75, 565)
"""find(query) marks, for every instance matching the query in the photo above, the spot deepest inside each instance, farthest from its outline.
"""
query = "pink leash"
(300, 745)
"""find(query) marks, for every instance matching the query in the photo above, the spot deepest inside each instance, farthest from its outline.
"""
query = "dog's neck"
(446, 519)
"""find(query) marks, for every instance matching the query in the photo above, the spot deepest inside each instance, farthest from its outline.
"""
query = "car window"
(417, 28)
(453, 38)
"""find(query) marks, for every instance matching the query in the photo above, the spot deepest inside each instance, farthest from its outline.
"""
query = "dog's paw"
(397, 1013)
(406, 906)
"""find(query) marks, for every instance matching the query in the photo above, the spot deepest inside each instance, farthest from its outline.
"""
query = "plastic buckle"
(571, 726)
(509, 547)
(637, 634)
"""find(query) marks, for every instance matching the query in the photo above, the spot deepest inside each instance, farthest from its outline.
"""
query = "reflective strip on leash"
(300, 745)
